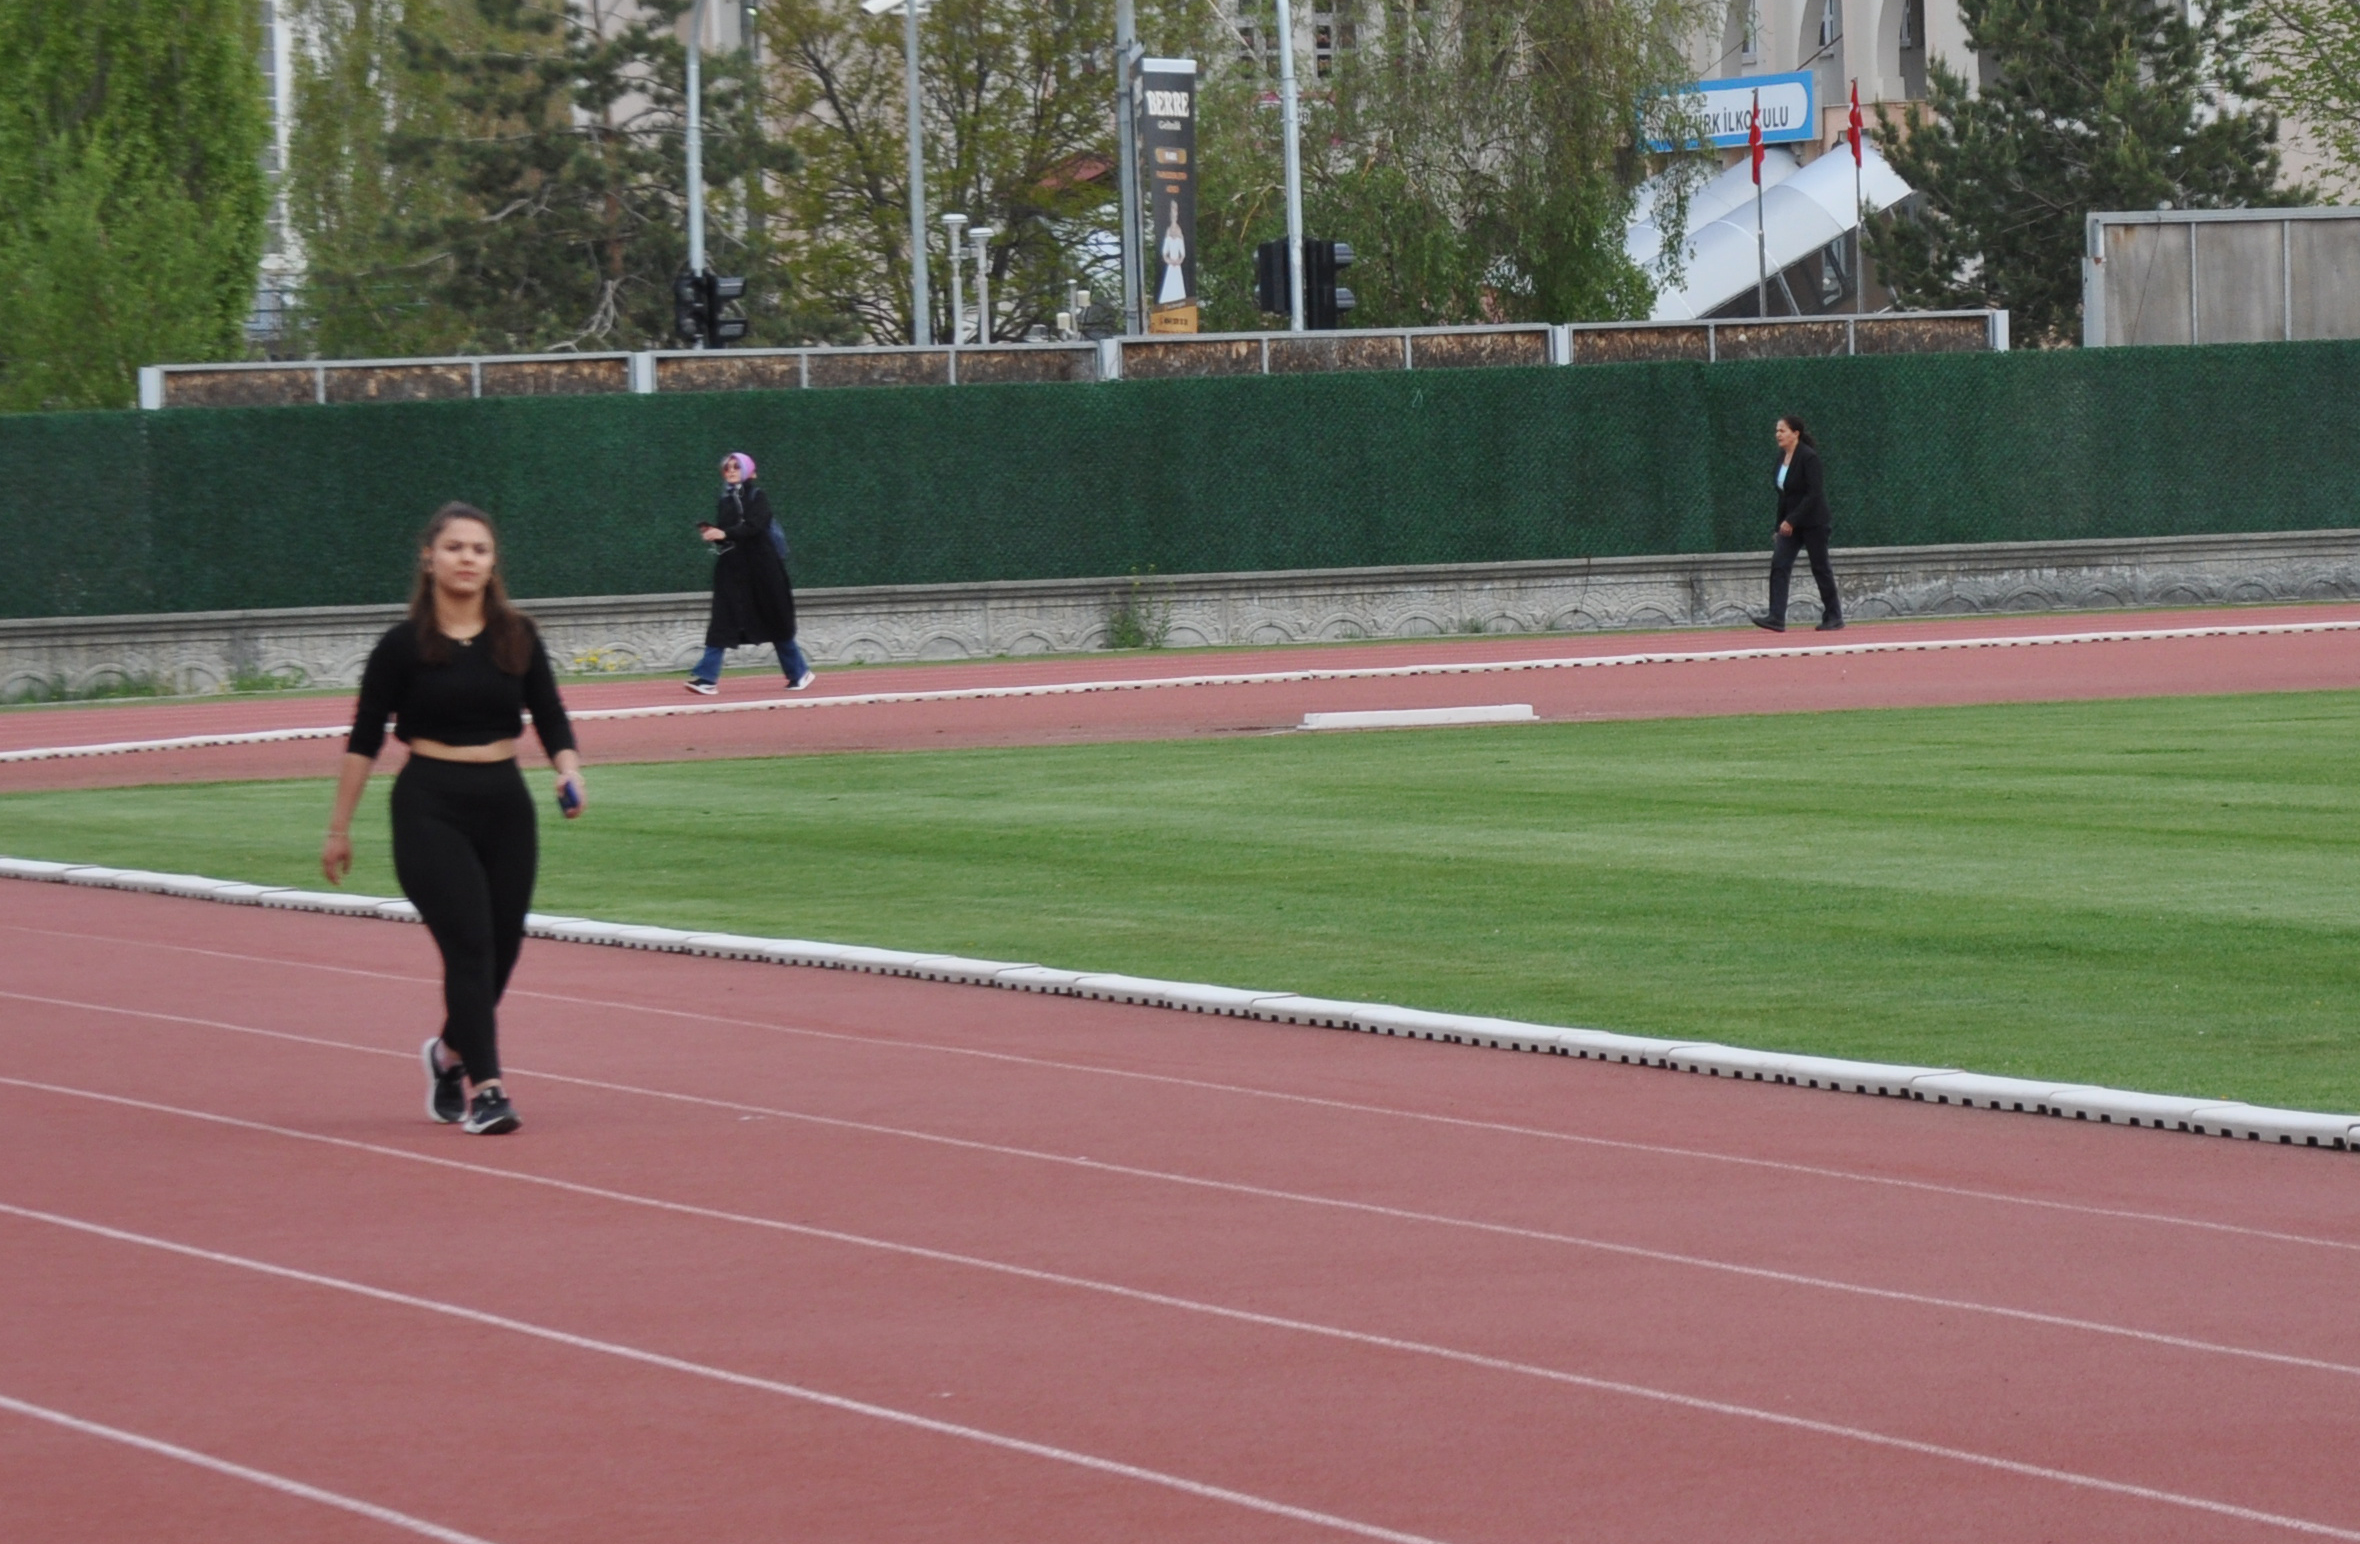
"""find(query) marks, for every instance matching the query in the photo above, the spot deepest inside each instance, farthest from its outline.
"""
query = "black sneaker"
(1829, 625)
(489, 1113)
(446, 1088)
(1767, 624)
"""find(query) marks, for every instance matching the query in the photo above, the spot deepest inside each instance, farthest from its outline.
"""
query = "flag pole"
(1761, 238)
(1859, 211)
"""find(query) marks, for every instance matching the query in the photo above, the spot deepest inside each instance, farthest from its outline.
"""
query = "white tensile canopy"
(1803, 209)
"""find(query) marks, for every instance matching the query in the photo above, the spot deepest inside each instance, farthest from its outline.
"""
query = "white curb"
(1929, 1085)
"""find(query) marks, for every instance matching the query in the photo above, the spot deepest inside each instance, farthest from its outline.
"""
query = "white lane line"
(1306, 1198)
(820, 1397)
(1156, 1477)
(1504, 1128)
(262, 1477)
(1260, 678)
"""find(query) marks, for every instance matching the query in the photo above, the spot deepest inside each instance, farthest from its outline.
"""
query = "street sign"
(1726, 107)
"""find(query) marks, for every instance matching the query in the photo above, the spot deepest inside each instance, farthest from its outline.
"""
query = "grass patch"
(2157, 894)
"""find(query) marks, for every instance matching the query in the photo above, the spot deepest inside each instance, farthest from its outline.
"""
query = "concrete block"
(956, 967)
(1040, 978)
(1980, 1091)
(2123, 1107)
(2260, 1123)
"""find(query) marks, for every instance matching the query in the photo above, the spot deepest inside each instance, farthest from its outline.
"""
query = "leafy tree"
(2086, 105)
(1479, 155)
(1016, 107)
(2311, 57)
(511, 177)
(132, 195)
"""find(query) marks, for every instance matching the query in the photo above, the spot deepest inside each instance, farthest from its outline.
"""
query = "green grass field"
(2157, 894)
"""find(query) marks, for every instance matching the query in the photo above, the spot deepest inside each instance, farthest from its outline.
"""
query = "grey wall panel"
(2326, 263)
(2147, 284)
(2240, 281)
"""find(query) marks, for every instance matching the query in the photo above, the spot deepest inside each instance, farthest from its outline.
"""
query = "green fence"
(192, 510)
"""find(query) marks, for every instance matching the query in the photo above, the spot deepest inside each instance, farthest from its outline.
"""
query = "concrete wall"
(207, 651)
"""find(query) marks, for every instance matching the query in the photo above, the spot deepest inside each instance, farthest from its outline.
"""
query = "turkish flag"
(1853, 133)
(1753, 137)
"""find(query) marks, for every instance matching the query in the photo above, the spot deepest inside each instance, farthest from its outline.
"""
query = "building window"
(1831, 21)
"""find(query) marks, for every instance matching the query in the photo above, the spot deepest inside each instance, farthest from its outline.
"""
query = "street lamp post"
(1291, 125)
(1126, 154)
(696, 138)
(981, 235)
(955, 223)
(921, 302)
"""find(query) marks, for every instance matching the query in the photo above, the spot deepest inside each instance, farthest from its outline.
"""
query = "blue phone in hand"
(568, 801)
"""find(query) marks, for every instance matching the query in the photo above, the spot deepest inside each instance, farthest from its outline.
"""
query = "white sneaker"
(803, 680)
(703, 688)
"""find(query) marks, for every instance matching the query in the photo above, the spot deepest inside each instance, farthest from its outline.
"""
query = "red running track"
(792, 1254)
(2162, 667)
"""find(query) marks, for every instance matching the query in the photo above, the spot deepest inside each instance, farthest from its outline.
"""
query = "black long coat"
(1802, 503)
(753, 600)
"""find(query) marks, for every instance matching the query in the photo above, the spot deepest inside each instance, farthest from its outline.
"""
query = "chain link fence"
(203, 509)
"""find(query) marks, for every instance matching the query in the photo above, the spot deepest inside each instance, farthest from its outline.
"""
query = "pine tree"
(509, 176)
(2084, 105)
(132, 194)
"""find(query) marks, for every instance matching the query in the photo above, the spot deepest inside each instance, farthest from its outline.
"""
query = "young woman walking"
(457, 675)
(1803, 522)
(753, 598)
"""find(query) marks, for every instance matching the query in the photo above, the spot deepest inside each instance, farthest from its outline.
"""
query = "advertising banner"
(1164, 102)
(1726, 107)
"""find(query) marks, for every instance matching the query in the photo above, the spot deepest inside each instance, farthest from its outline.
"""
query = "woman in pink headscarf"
(753, 598)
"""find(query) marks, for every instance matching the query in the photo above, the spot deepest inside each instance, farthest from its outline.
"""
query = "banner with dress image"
(1164, 94)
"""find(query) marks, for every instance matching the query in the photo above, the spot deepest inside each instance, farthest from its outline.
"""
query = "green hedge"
(193, 510)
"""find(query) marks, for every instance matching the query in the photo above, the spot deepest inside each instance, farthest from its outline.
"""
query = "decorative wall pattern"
(326, 646)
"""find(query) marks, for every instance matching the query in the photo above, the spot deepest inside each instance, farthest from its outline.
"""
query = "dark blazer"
(752, 601)
(1802, 503)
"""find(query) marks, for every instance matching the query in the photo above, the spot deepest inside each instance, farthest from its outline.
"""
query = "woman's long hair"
(508, 631)
(1796, 424)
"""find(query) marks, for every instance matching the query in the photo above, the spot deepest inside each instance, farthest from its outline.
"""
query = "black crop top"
(469, 701)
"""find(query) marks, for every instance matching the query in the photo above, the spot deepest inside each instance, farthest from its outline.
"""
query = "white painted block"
(2260, 1123)
(727, 946)
(1417, 718)
(1326, 1012)
(2122, 1107)
(891, 962)
(246, 894)
(1040, 978)
(957, 967)
(33, 868)
(325, 900)
(1855, 1077)
(1981, 1091)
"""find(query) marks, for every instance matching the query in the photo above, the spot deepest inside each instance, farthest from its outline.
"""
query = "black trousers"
(465, 847)
(1782, 571)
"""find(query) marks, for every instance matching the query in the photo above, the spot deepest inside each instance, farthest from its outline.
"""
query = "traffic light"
(688, 308)
(1270, 277)
(720, 291)
(698, 301)
(1324, 300)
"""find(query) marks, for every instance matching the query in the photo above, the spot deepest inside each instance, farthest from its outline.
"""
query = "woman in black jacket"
(753, 599)
(1803, 522)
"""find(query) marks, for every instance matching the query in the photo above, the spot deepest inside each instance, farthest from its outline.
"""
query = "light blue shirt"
(1782, 466)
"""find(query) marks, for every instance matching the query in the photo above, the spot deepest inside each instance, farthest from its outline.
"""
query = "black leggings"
(465, 846)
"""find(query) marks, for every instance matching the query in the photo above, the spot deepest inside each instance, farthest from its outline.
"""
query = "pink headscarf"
(745, 463)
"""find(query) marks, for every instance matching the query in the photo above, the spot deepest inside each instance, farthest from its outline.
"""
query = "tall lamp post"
(955, 223)
(981, 235)
(1126, 155)
(1291, 125)
(696, 138)
(921, 308)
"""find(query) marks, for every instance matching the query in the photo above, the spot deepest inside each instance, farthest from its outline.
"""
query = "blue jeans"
(790, 659)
